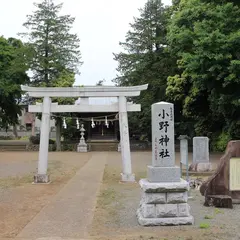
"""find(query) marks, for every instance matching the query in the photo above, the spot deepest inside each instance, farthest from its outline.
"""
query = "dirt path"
(70, 212)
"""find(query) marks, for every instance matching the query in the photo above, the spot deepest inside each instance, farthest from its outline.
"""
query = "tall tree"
(205, 36)
(54, 50)
(53, 47)
(145, 59)
(13, 69)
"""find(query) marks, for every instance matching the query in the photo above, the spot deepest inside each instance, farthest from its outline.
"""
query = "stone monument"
(225, 181)
(82, 146)
(164, 193)
(201, 155)
(184, 153)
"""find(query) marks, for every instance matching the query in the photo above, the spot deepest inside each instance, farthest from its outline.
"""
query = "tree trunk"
(58, 134)
(15, 132)
(33, 128)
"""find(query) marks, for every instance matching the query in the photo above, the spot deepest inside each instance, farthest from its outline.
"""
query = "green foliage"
(54, 55)
(204, 225)
(68, 147)
(220, 141)
(208, 217)
(217, 211)
(53, 48)
(12, 74)
(145, 59)
(205, 37)
(36, 140)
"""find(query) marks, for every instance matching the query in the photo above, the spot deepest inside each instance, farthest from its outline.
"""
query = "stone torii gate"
(47, 107)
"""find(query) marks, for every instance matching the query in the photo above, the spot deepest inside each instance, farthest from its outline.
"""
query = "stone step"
(13, 148)
(101, 147)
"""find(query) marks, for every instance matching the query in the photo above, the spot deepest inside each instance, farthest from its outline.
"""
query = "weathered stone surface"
(150, 187)
(128, 177)
(163, 174)
(218, 183)
(148, 210)
(153, 198)
(163, 148)
(183, 210)
(166, 210)
(178, 197)
(41, 178)
(82, 147)
(200, 150)
(200, 167)
(163, 221)
(220, 201)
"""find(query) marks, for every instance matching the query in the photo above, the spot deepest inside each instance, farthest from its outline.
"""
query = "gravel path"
(115, 216)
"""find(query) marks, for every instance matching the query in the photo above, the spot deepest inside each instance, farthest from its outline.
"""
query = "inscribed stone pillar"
(164, 194)
(42, 176)
(127, 175)
(163, 150)
(200, 150)
(201, 155)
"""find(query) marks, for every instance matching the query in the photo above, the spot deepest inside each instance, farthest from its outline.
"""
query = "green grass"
(217, 211)
(107, 196)
(204, 225)
(15, 181)
(208, 217)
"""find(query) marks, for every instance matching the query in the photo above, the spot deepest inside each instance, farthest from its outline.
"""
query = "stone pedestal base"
(82, 147)
(41, 178)
(220, 201)
(128, 177)
(200, 167)
(164, 204)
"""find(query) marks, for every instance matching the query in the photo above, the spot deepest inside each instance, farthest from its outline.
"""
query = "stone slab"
(183, 210)
(163, 174)
(164, 221)
(163, 148)
(150, 187)
(41, 178)
(200, 150)
(177, 197)
(148, 210)
(220, 201)
(200, 167)
(154, 198)
(166, 210)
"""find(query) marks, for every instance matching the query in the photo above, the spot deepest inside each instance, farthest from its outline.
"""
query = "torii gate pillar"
(41, 176)
(127, 175)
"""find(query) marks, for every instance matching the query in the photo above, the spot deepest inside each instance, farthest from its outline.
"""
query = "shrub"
(36, 140)
(6, 137)
(220, 142)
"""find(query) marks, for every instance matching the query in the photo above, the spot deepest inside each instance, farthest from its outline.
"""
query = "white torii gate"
(84, 92)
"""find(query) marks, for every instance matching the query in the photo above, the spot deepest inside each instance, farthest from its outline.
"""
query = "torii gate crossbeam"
(91, 91)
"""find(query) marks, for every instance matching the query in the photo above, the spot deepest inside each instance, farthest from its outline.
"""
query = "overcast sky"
(100, 25)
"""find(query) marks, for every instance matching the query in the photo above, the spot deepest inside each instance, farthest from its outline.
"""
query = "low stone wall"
(140, 146)
(66, 146)
(35, 147)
